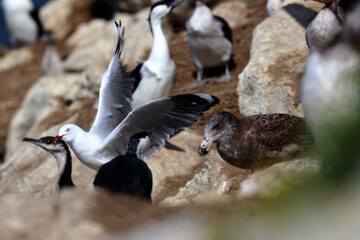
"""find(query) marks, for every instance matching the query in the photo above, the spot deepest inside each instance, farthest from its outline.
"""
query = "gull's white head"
(68, 132)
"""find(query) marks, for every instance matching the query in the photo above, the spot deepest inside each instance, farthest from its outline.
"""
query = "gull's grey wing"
(115, 93)
(160, 118)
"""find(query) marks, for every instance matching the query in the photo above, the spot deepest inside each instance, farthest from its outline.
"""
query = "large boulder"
(63, 16)
(214, 181)
(273, 180)
(225, 9)
(172, 169)
(270, 81)
(96, 51)
(45, 98)
(217, 181)
(15, 58)
(73, 214)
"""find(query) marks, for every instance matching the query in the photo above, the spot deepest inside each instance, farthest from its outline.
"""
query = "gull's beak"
(57, 138)
(205, 146)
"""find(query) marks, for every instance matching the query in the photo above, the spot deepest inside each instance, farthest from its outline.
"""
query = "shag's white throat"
(158, 71)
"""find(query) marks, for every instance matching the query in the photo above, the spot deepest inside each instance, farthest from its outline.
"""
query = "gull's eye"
(67, 130)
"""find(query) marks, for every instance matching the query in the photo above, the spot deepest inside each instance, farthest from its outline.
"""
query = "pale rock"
(226, 10)
(73, 214)
(272, 180)
(62, 16)
(97, 53)
(191, 224)
(133, 5)
(126, 19)
(97, 50)
(87, 33)
(137, 46)
(43, 99)
(15, 58)
(172, 169)
(270, 81)
(216, 181)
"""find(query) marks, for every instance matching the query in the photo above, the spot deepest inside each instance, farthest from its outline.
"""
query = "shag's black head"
(169, 3)
(162, 8)
(50, 144)
(137, 143)
(57, 147)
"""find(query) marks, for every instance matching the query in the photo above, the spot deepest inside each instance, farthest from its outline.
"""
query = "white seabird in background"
(51, 62)
(22, 21)
(155, 77)
(324, 27)
(210, 43)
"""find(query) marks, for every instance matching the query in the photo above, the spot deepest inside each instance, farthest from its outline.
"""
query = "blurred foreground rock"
(74, 214)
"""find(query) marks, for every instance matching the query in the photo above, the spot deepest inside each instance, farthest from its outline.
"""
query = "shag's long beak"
(205, 146)
(32, 140)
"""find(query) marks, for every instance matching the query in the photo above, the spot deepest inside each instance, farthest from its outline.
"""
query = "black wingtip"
(215, 100)
(194, 102)
(120, 38)
(168, 145)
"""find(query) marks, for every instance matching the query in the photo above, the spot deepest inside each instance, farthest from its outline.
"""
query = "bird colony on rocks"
(304, 57)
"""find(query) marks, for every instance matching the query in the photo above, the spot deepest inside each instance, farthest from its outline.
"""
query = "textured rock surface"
(74, 214)
(214, 182)
(136, 47)
(270, 81)
(15, 58)
(45, 97)
(270, 181)
(95, 50)
(171, 169)
(234, 20)
(62, 16)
